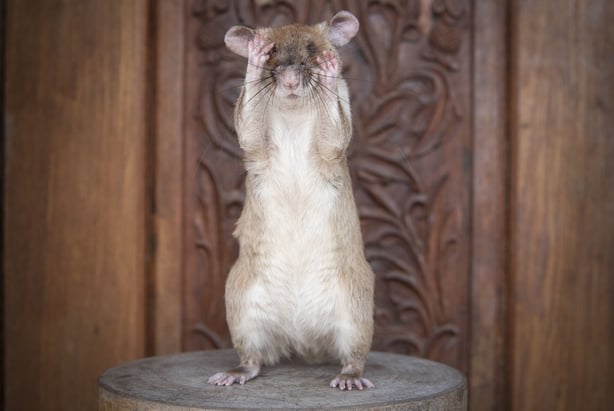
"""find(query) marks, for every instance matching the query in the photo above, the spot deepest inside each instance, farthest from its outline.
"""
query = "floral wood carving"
(407, 71)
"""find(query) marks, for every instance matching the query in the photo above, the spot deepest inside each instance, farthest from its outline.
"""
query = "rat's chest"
(297, 200)
(292, 183)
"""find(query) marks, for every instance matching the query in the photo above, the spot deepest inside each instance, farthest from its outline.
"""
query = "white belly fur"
(297, 294)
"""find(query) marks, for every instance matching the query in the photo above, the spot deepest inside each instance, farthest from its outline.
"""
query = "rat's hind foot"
(238, 375)
(346, 382)
(351, 376)
(226, 378)
(230, 377)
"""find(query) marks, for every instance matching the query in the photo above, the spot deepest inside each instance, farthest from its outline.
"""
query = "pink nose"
(289, 79)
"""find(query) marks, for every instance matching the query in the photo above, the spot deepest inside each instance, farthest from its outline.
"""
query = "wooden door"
(74, 199)
(562, 198)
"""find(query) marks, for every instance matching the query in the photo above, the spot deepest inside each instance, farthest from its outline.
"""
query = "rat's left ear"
(236, 39)
(342, 28)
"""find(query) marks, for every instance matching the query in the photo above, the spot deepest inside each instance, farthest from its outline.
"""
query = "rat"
(301, 285)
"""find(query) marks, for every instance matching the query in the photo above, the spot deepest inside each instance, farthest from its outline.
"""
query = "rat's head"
(295, 68)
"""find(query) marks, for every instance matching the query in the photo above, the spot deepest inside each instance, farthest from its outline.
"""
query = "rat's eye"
(273, 50)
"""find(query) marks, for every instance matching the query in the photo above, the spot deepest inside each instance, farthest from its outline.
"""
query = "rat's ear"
(236, 39)
(342, 28)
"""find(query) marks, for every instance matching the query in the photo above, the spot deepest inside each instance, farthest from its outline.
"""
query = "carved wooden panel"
(409, 77)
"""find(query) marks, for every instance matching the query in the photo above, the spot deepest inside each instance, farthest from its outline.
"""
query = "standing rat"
(301, 284)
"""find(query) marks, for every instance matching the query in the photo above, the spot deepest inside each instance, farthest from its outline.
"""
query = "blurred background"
(481, 160)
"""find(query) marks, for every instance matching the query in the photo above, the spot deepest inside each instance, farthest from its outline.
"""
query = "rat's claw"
(367, 383)
(357, 383)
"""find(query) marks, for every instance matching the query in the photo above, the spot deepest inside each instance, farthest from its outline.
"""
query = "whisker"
(264, 88)
(266, 95)
(241, 83)
(271, 95)
(260, 67)
(264, 92)
(321, 84)
(317, 98)
(348, 78)
(327, 76)
(237, 87)
(260, 79)
(263, 79)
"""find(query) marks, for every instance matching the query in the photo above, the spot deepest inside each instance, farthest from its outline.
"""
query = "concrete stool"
(179, 382)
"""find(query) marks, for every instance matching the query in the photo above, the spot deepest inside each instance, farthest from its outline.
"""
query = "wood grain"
(179, 383)
(562, 238)
(169, 38)
(2, 196)
(74, 203)
(489, 209)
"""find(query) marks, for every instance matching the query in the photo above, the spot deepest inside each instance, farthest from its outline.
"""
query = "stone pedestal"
(179, 382)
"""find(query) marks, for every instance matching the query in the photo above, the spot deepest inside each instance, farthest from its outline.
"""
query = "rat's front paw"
(347, 381)
(328, 71)
(258, 49)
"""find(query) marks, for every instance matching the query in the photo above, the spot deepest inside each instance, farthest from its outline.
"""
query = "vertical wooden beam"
(489, 239)
(2, 178)
(170, 18)
(75, 200)
(562, 236)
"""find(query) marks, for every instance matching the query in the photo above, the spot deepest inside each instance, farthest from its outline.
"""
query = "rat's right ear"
(342, 28)
(236, 39)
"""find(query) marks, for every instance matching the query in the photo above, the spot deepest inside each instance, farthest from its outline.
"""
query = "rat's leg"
(354, 329)
(248, 369)
(334, 123)
(252, 102)
(252, 328)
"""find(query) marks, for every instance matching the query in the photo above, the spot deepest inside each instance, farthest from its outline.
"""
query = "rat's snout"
(289, 78)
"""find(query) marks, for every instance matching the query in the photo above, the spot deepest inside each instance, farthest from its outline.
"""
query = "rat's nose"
(289, 79)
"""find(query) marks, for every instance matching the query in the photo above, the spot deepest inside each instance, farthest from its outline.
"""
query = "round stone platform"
(179, 382)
